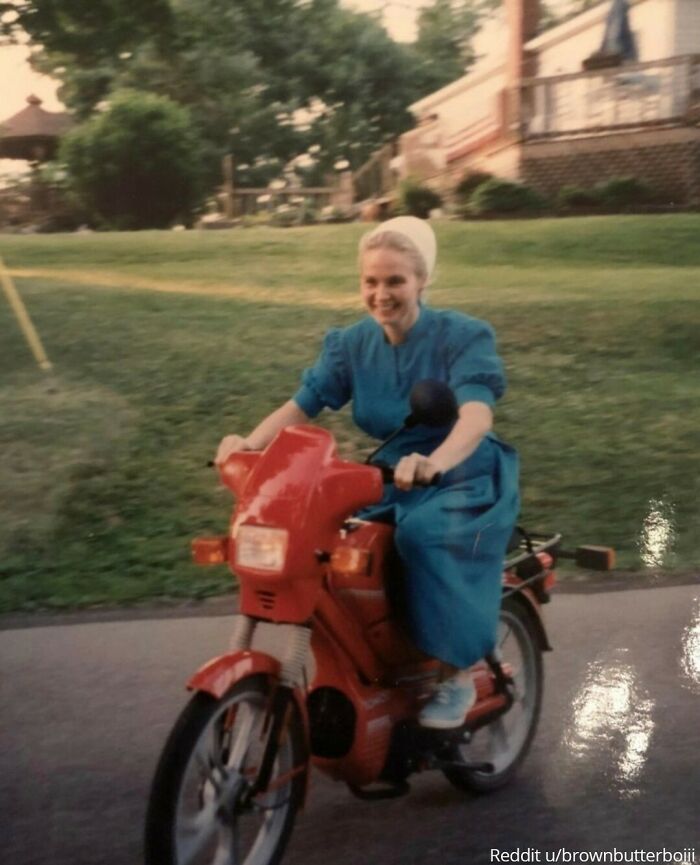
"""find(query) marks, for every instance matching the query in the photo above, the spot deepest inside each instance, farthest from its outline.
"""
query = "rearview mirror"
(432, 403)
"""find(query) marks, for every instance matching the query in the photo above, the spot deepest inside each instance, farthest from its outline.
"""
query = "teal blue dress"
(451, 537)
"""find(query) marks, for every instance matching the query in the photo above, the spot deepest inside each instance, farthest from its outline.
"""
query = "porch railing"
(376, 177)
(630, 96)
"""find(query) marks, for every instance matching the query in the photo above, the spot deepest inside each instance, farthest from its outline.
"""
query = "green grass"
(162, 342)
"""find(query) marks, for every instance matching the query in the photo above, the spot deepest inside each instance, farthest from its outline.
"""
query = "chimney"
(522, 19)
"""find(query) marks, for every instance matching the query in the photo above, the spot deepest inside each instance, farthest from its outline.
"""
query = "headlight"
(261, 548)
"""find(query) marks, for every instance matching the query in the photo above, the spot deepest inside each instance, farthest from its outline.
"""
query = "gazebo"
(33, 133)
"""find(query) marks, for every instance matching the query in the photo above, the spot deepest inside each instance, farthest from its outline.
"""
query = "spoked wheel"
(200, 811)
(505, 741)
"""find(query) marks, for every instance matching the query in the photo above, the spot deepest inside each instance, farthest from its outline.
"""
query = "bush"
(620, 192)
(332, 214)
(577, 196)
(503, 197)
(416, 199)
(294, 213)
(134, 165)
(468, 185)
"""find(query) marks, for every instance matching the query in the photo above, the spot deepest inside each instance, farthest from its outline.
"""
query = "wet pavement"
(615, 766)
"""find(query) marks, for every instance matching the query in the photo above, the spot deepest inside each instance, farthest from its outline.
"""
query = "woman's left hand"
(414, 469)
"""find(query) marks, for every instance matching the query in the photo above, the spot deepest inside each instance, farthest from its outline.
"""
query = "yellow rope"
(25, 322)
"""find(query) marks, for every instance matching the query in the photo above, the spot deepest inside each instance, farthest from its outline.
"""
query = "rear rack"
(531, 544)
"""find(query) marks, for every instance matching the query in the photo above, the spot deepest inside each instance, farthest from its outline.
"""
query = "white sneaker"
(449, 706)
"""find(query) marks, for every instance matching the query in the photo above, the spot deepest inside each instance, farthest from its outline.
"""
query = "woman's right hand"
(230, 445)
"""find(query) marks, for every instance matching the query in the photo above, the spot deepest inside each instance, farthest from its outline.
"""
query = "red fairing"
(298, 484)
(236, 470)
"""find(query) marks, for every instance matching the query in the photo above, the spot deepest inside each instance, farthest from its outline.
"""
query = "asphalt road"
(85, 708)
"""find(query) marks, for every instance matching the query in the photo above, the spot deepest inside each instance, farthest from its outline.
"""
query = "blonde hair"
(399, 243)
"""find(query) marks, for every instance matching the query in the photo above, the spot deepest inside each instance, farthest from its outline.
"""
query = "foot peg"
(484, 768)
(388, 791)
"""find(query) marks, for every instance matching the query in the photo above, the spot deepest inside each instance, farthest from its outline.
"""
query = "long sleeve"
(475, 371)
(328, 383)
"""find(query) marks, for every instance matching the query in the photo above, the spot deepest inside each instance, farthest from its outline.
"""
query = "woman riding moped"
(451, 535)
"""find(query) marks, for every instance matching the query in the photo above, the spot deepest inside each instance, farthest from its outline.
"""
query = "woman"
(451, 536)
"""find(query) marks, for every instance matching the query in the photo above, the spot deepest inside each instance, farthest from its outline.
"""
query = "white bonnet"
(418, 231)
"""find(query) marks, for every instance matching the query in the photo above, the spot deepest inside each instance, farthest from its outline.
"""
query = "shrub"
(331, 213)
(416, 199)
(134, 165)
(308, 214)
(620, 192)
(504, 196)
(577, 196)
(468, 185)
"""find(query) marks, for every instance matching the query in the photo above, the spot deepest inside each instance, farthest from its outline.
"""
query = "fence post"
(227, 169)
(343, 192)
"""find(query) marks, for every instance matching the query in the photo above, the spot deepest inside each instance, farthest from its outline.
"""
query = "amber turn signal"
(210, 551)
(595, 558)
(350, 560)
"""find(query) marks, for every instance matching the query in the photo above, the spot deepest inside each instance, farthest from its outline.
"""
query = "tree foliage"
(265, 79)
(132, 164)
(445, 32)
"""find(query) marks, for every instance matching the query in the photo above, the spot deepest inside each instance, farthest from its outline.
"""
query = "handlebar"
(388, 476)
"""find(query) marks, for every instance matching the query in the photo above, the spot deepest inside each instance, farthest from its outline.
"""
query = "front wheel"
(505, 741)
(199, 812)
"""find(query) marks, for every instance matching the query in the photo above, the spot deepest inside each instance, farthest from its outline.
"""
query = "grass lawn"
(163, 341)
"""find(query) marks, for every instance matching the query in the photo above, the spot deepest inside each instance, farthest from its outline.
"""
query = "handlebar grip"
(387, 472)
(388, 476)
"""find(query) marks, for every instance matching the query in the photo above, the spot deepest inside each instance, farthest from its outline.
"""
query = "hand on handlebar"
(230, 445)
(415, 470)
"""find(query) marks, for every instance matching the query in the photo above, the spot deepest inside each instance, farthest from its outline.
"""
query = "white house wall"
(663, 28)
(472, 108)
(653, 22)
(686, 30)
(653, 26)
(464, 125)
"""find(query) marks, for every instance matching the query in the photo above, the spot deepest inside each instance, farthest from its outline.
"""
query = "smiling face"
(391, 290)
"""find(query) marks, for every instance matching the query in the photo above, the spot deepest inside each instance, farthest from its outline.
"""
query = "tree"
(131, 165)
(265, 79)
(445, 32)
(83, 42)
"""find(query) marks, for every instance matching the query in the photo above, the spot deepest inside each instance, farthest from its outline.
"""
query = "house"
(613, 91)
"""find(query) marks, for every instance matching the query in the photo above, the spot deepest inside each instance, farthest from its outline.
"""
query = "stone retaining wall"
(667, 159)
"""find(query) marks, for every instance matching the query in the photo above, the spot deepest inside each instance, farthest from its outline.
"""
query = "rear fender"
(218, 675)
(528, 602)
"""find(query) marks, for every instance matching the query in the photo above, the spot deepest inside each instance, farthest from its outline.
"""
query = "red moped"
(320, 671)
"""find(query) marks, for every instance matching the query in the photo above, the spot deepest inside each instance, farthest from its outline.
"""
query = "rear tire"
(195, 816)
(505, 742)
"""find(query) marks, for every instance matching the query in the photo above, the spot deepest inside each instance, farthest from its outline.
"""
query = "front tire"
(505, 742)
(197, 812)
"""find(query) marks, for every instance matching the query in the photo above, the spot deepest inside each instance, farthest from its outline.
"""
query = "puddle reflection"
(690, 649)
(658, 533)
(609, 731)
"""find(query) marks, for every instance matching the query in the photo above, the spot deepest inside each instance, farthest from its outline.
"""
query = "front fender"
(219, 674)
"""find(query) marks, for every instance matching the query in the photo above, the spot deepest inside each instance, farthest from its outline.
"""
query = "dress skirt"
(452, 540)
